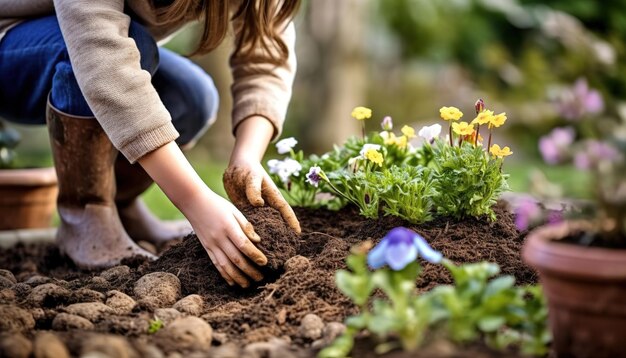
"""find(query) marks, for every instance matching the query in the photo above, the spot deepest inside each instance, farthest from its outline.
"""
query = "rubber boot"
(91, 232)
(140, 223)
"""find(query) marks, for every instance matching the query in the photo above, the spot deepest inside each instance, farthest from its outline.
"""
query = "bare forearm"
(169, 168)
(252, 137)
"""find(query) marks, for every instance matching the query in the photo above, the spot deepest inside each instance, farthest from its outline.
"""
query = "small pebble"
(311, 326)
(161, 287)
(8, 275)
(15, 319)
(66, 321)
(5, 283)
(192, 304)
(48, 295)
(115, 273)
(48, 345)
(15, 346)
(167, 315)
(92, 311)
(109, 346)
(120, 302)
(186, 333)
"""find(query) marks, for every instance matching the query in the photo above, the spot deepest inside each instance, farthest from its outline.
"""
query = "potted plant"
(581, 261)
(27, 196)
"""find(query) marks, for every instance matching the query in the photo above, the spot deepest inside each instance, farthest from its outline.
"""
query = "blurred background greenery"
(407, 58)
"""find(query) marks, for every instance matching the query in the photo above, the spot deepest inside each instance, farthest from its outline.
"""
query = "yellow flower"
(388, 137)
(498, 152)
(450, 113)
(401, 142)
(472, 138)
(374, 156)
(463, 128)
(483, 117)
(408, 131)
(361, 113)
(497, 120)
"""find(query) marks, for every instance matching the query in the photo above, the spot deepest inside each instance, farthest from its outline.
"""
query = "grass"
(211, 174)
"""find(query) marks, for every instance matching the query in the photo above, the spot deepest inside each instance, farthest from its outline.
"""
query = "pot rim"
(543, 251)
(45, 176)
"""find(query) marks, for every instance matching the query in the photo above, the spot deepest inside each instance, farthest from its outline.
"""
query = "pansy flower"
(399, 248)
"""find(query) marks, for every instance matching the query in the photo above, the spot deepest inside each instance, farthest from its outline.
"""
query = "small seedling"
(155, 325)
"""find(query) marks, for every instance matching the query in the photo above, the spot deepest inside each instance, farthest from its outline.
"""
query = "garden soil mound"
(299, 277)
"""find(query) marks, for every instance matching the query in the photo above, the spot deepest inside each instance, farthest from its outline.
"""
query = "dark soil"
(299, 277)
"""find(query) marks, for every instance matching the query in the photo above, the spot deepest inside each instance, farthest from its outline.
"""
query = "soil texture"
(42, 290)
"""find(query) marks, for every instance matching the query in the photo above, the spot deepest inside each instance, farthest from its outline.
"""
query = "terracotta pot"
(586, 292)
(27, 198)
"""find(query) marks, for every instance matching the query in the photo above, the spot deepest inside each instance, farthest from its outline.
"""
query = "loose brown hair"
(262, 23)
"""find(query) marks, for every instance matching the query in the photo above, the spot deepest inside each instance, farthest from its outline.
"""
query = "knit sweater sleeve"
(106, 63)
(261, 88)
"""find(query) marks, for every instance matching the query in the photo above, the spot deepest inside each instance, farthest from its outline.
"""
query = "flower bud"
(479, 105)
(387, 124)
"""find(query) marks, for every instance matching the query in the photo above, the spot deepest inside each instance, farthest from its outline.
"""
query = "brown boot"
(140, 223)
(90, 233)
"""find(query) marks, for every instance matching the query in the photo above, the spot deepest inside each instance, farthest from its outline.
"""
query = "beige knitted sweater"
(106, 64)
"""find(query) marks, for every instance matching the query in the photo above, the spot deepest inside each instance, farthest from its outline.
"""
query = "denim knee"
(147, 46)
(188, 93)
(65, 92)
(201, 115)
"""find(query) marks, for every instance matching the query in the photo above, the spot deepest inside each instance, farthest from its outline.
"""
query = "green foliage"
(155, 325)
(468, 182)
(9, 139)
(413, 184)
(477, 306)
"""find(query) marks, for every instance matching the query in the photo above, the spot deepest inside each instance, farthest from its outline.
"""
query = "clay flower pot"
(586, 291)
(27, 198)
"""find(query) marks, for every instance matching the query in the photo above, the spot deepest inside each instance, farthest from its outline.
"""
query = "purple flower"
(526, 212)
(578, 101)
(314, 176)
(399, 248)
(554, 146)
(593, 152)
(387, 124)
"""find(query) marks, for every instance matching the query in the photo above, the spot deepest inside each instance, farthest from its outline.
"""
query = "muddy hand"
(229, 241)
(248, 183)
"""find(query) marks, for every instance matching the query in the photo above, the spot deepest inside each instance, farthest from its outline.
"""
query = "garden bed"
(44, 291)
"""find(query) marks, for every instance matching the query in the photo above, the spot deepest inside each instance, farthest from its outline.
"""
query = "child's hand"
(246, 182)
(227, 237)
(224, 232)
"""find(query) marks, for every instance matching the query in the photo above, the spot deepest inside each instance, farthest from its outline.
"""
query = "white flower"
(274, 165)
(367, 147)
(284, 168)
(430, 132)
(353, 160)
(285, 145)
(314, 177)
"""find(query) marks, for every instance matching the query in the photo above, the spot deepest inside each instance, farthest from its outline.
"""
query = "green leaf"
(490, 323)
(499, 284)
(357, 287)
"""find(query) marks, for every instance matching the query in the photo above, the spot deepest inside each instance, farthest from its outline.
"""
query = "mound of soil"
(299, 278)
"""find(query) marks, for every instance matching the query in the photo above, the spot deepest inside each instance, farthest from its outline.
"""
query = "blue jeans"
(34, 63)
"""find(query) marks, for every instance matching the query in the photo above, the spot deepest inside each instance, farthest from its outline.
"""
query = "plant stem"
(450, 133)
(363, 129)
(489, 143)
